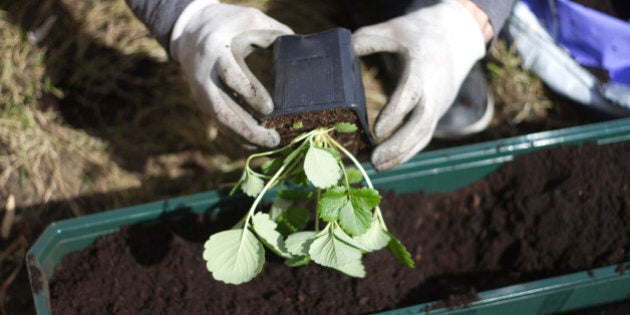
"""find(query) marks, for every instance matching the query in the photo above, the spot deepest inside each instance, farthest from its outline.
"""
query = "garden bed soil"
(546, 213)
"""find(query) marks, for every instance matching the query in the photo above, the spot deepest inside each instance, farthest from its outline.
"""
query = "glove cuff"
(468, 28)
(467, 46)
(184, 18)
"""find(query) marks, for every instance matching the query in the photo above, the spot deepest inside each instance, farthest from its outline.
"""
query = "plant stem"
(319, 192)
(368, 182)
(267, 186)
(345, 175)
(303, 136)
(261, 154)
(354, 161)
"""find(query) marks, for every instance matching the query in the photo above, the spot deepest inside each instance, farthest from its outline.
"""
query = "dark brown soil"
(547, 213)
(356, 142)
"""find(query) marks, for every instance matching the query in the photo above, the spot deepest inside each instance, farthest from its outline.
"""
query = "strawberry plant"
(310, 170)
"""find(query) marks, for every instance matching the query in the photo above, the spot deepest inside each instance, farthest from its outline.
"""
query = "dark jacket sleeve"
(159, 16)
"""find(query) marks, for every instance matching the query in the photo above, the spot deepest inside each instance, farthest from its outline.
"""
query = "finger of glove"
(405, 97)
(412, 137)
(380, 38)
(234, 71)
(374, 39)
(243, 82)
(228, 113)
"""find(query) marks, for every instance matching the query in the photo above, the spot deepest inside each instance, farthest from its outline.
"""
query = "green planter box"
(441, 170)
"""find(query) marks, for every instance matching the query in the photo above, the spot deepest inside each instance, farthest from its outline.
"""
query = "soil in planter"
(356, 142)
(543, 214)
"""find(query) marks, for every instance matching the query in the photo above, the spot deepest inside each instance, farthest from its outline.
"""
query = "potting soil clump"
(546, 213)
(291, 126)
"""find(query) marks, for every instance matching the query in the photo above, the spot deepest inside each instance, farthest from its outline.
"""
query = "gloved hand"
(211, 40)
(437, 46)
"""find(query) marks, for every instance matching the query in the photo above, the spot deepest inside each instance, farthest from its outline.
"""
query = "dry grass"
(96, 117)
(97, 92)
(522, 93)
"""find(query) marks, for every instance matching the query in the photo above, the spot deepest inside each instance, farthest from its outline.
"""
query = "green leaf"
(353, 269)
(278, 207)
(235, 188)
(295, 154)
(342, 236)
(345, 127)
(292, 220)
(321, 167)
(354, 176)
(298, 125)
(252, 185)
(298, 177)
(297, 261)
(331, 203)
(238, 184)
(271, 166)
(265, 228)
(296, 194)
(327, 250)
(354, 220)
(374, 238)
(364, 198)
(351, 207)
(332, 151)
(400, 252)
(234, 256)
(299, 243)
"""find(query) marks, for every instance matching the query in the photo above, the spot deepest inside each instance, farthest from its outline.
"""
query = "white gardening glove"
(438, 46)
(211, 40)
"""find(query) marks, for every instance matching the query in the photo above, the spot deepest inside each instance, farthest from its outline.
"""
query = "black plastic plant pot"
(318, 72)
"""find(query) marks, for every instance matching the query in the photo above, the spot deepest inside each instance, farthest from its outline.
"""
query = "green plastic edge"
(440, 170)
(547, 296)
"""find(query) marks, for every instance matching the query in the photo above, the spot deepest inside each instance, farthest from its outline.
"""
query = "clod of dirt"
(356, 142)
